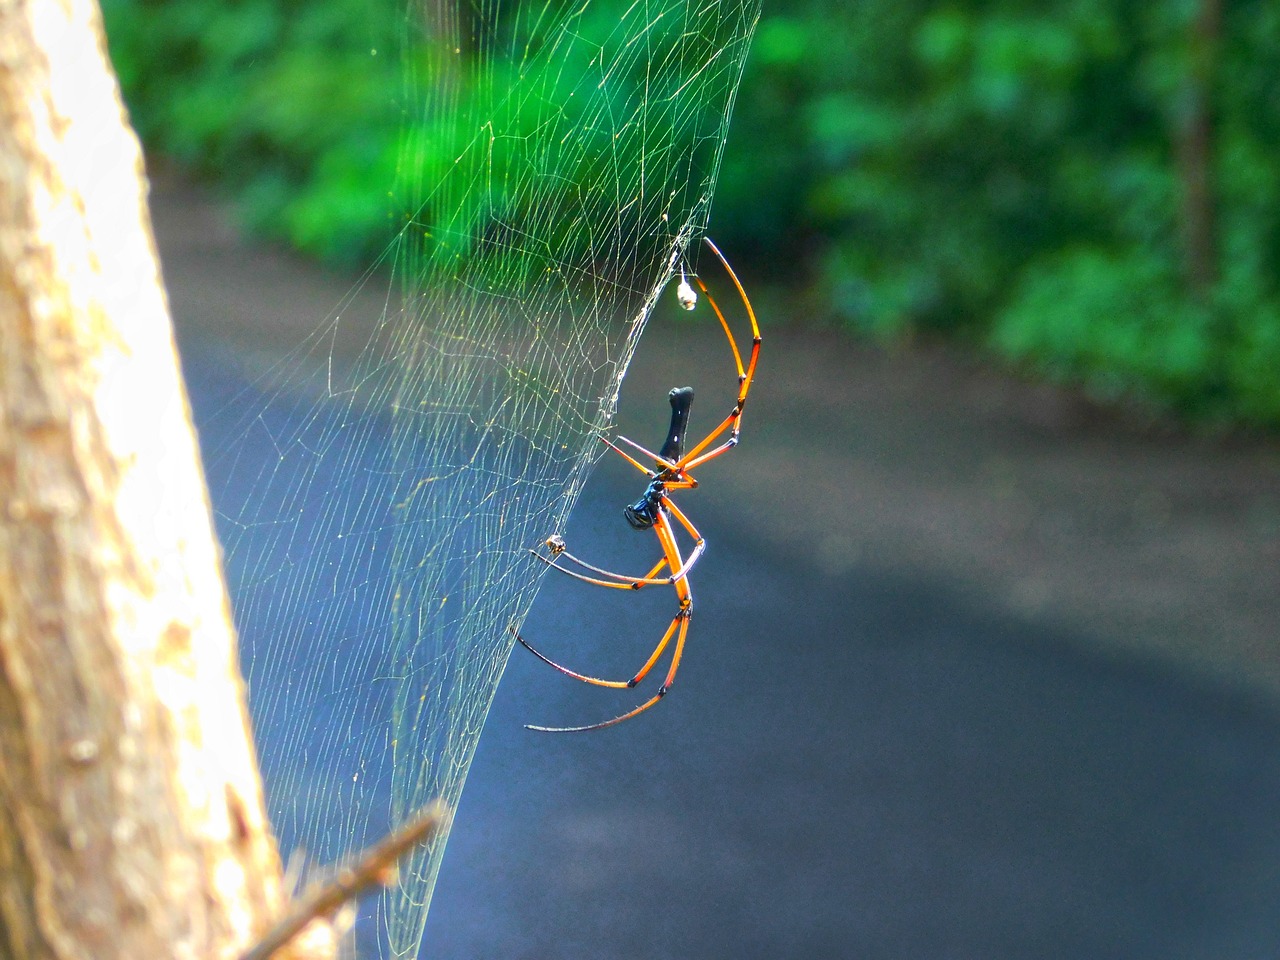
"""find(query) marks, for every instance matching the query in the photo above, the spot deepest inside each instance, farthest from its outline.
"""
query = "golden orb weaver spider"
(672, 470)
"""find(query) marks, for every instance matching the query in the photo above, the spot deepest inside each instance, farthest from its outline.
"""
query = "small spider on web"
(672, 470)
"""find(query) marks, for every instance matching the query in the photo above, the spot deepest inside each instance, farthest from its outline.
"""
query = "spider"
(672, 470)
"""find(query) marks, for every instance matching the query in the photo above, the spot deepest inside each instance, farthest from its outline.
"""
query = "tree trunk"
(132, 821)
(1195, 150)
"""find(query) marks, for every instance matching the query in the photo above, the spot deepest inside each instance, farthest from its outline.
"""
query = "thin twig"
(375, 866)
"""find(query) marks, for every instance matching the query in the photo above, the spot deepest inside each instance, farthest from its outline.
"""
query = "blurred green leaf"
(1003, 170)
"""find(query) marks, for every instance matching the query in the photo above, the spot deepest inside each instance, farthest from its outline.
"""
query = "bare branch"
(375, 867)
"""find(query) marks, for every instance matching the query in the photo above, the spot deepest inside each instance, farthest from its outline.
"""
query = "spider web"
(382, 486)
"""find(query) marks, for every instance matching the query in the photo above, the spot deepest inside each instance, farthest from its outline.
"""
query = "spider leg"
(661, 461)
(746, 375)
(699, 542)
(615, 684)
(626, 456)
(683, 618)
(625, 582)
(696, 457)
(679, 626)
(723, 448)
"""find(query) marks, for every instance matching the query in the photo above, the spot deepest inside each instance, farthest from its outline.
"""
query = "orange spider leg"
(699, 543)
(556, 545)
(725, 447)
(615, 684)
(683, 617)
(630, 459)
(661, 461)
(671, 551)
(695, 457)
(751, 315)
(626, 582)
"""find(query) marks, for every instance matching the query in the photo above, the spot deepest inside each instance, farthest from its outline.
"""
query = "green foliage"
(291, 106)
(1004, 170)
(1113, 321)
(1008, 171)
(309, 113)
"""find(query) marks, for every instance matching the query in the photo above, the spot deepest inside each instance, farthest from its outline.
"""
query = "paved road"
(859, 759)
(863, 766)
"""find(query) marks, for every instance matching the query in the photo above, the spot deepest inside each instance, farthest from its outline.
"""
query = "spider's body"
(681, 399)
(644, 512)
(672, 469)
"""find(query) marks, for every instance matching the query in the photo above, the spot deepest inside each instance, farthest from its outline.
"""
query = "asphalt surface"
(871, 750)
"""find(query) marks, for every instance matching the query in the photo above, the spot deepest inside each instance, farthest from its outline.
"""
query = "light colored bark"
(132, 821)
